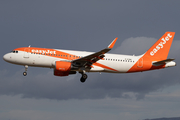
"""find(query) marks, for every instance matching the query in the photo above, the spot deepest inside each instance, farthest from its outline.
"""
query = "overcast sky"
(88, 26)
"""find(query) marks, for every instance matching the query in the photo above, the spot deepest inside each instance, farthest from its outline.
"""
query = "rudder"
(160, 50)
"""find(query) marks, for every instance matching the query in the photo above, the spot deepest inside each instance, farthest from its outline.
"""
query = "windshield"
(14, 51)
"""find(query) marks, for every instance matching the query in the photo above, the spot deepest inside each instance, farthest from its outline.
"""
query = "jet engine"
(62, 68)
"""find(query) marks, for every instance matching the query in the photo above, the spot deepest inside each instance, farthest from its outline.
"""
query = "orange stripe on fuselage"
(48, 52)
(145, 65)
(103, 66)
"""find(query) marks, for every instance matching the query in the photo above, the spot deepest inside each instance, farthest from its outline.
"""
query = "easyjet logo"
(161, 44)
(43, 51)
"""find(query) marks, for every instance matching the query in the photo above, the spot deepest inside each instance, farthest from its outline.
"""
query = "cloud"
(136, 46)
(155, 104)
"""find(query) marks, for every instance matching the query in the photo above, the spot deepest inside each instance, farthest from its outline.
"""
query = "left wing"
(88, 60)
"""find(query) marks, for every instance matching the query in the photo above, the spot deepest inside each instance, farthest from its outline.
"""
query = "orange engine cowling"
(62, 68)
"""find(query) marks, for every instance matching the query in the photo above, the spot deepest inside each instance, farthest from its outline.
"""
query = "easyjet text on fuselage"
(43, 51)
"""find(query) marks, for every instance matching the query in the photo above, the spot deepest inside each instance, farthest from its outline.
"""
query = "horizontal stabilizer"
(162, 62)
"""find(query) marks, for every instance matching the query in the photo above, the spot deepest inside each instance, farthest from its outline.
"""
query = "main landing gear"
(84, 77)
(25, 73)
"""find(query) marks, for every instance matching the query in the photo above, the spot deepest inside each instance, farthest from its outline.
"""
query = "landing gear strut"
(25, 73)
(84, 77)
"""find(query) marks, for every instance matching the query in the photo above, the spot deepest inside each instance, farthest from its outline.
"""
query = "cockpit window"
(14, 51)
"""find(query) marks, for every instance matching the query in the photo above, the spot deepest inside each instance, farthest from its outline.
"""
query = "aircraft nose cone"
(6, 57)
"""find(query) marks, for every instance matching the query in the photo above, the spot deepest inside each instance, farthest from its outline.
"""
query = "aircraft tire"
(24, 73)
(83, 78)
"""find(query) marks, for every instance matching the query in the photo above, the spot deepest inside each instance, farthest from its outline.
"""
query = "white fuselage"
(119, 63)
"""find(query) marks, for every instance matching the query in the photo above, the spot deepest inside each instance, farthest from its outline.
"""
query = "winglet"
(112, 43)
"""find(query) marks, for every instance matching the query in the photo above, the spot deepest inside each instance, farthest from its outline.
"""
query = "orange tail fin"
(160, 50)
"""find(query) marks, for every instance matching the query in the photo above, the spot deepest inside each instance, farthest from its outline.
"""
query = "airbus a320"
(68, 62)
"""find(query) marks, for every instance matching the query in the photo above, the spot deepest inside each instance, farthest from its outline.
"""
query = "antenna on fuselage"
(29, 46)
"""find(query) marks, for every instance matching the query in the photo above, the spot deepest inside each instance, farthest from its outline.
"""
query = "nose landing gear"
(25, 73)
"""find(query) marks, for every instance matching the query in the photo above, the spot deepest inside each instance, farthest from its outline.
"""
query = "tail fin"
(159, 51)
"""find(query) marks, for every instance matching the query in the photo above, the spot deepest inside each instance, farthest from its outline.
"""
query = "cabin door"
(26, 52)
(140, 63)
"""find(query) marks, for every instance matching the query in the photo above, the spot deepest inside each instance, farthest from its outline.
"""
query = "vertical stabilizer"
(160, 50)
(156, 56)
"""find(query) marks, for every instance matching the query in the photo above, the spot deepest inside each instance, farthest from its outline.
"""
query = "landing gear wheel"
(83, 78)
(24, 73)
(26, 67)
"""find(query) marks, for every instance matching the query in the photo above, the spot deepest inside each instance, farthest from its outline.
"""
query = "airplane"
(68, 62)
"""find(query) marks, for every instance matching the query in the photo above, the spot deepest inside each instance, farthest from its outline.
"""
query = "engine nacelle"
(62, 68)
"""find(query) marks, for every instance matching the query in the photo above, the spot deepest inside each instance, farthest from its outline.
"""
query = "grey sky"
(88, 26)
